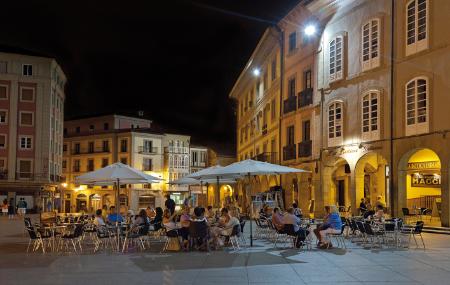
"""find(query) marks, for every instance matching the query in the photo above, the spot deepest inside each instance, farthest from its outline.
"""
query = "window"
(3, 67)
(307, 79)
(105, 162)
(65, 131)
(370, 116)
(2, 141)
(25, 142)
(26, 118)
(77, 148)
(306, 130)
(90, 165)
(335, 123)
(273, 111)
(202, 157)
(27, 70)
(64, 147)
(370, 44)
(77, 130)
(417, 106)
(105, 146)
(90, 147)
(3, 116)
(273, 69)
(123, 145)
(416, 26)
(105, 126)
(292, 41)
(25, 168)
(336, 58)
(147, 164)
(91, 128)
(291, 87)
(124, 160)
(265, 81)
(148, 146)
(290, 139)
(26, 94)
(3, 92)
(76, 165)
(64, 164)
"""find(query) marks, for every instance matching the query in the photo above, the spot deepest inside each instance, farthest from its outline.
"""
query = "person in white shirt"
(98, 221)
(290, 219)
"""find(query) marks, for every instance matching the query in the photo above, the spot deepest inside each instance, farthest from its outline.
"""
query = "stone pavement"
(262, 264)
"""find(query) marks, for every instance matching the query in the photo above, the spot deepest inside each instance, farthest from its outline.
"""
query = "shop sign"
(424, 165)
(425, 180)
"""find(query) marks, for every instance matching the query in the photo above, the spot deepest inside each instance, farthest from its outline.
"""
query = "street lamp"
(256, 72)
(310, 30)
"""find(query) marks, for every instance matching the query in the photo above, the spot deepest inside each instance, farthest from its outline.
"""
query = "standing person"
(5, 207)
(170, 204)
(11, 209)
(21, 207)
(362, 206)
(380, 202)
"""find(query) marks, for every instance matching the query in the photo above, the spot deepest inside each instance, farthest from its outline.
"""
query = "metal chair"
(413, 232)
(339, 238)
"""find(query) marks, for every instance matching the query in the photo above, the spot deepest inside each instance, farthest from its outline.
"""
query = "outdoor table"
(52, 229)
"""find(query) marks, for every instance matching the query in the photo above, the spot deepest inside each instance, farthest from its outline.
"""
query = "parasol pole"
(117, 214)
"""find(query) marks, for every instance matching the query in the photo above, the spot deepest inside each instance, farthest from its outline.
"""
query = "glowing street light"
(256, 72)
(310, 30)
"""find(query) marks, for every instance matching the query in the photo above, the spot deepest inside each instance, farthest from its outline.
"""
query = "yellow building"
(257, 93)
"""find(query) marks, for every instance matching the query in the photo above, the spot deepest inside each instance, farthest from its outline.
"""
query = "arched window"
(336, 58)
(335, 123)
(371, 44)
(370, 123)
(416, 100)
(416, 26)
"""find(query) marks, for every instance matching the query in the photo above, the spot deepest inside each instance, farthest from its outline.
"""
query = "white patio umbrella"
(247, 168)
(116, 174)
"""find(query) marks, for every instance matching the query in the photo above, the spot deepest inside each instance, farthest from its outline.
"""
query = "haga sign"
(425, 180)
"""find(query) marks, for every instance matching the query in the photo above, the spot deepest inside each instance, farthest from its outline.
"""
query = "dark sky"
(176, 60)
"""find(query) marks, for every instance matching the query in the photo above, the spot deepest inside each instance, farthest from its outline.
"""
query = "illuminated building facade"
(31, 128)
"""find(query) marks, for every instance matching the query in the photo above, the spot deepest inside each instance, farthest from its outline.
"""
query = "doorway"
(341, 192)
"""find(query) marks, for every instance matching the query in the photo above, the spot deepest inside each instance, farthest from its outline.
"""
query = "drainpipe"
(280, 156)
(391, 139)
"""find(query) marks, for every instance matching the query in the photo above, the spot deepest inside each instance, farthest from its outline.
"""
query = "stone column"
(445, 205)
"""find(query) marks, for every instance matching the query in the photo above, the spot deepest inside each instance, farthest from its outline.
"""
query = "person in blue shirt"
(113, 216)
(334, 226)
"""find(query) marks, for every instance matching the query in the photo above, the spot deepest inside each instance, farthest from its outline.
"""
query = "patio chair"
(280, 235)
(372, 234)
(406, 214)
(102, 238)
(136, 235)
(171, 237)
(199, 235)
(339, 238)
(291, 235)
(36, 239)
(74, 238)
(233, 237)
(362, 231)
(242, 236)
(413, 232)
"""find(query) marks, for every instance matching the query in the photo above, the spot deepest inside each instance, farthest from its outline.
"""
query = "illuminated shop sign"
(424, 165)
(425, 180)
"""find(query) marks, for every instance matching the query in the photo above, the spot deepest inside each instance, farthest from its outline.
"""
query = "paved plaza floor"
(261, 264)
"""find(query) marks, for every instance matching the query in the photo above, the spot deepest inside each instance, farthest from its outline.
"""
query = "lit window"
(417, 106)
(335, 123)
(336, 58)
(371, 44)
(416, 26)
(370, 116)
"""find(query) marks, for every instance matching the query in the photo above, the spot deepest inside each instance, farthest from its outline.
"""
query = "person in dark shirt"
(170, 204)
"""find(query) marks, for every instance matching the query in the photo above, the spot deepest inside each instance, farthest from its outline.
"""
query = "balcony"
(305, 148)
(198, 164)
(147, 150)
(290, 104)
(177, 149)
(289, 152)
(305, 98)
(264, 129)
(90, 151)
(270, 157)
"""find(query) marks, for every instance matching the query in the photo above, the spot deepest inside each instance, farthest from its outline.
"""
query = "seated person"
(198, 228)
(277, 219)
(290, 219)
(226, 224)
(297, 210)
(168, 220)
(141, 219)
(379, 214)
(380, 202)
(185, 220)
(335, 227)
(325, 225)
(114, 217)
(150, 212)
(157, 220)
(98, 220)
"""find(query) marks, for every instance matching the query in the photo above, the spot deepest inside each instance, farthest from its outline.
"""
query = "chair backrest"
(343, 228)
(368, 229)
(31, 233)
(172, 233)
(389, 227)
(236, 230)
(289, 229)
(360, 226)
(242, 226)
(419, 227)
(405, 211)
(198, 229)
(143, 230)
(353, 225)
(78, 230)
(27, 222)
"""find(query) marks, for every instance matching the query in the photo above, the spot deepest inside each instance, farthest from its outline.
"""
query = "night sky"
(176, 60)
